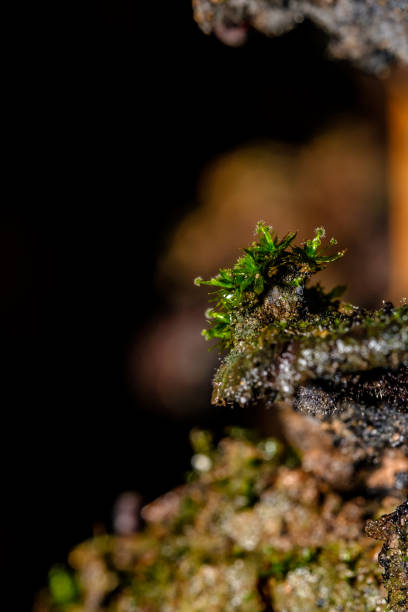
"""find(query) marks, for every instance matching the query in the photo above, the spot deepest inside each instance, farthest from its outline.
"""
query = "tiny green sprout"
(312, 245)
(267, 262)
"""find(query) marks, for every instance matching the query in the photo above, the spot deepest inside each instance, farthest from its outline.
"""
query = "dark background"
(115, 109)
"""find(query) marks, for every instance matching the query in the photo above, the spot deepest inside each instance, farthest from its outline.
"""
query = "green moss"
(291, 340)
(271, 319)
(285, 550)
(268, 262)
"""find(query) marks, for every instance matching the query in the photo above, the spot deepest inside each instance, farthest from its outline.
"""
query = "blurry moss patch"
(250, 534)
(62, 585)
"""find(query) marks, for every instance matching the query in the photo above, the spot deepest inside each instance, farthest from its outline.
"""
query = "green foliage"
(267, 262)
(279, 563)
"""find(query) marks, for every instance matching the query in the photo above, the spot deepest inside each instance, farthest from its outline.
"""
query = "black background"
(114, 110)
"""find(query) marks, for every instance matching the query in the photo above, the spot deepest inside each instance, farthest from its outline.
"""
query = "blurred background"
(142, 155)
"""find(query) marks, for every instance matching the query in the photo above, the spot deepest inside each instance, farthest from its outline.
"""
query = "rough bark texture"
(371, 33)
(354, 381)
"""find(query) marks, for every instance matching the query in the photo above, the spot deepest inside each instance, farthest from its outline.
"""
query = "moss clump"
(292, 341)
(250, 532)
(267, 264)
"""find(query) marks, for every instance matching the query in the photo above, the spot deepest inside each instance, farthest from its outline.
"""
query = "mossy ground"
(252, 531)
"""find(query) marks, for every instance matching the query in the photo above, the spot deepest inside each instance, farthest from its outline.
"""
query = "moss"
(290, 340)
(297, 546)
(268, 265)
